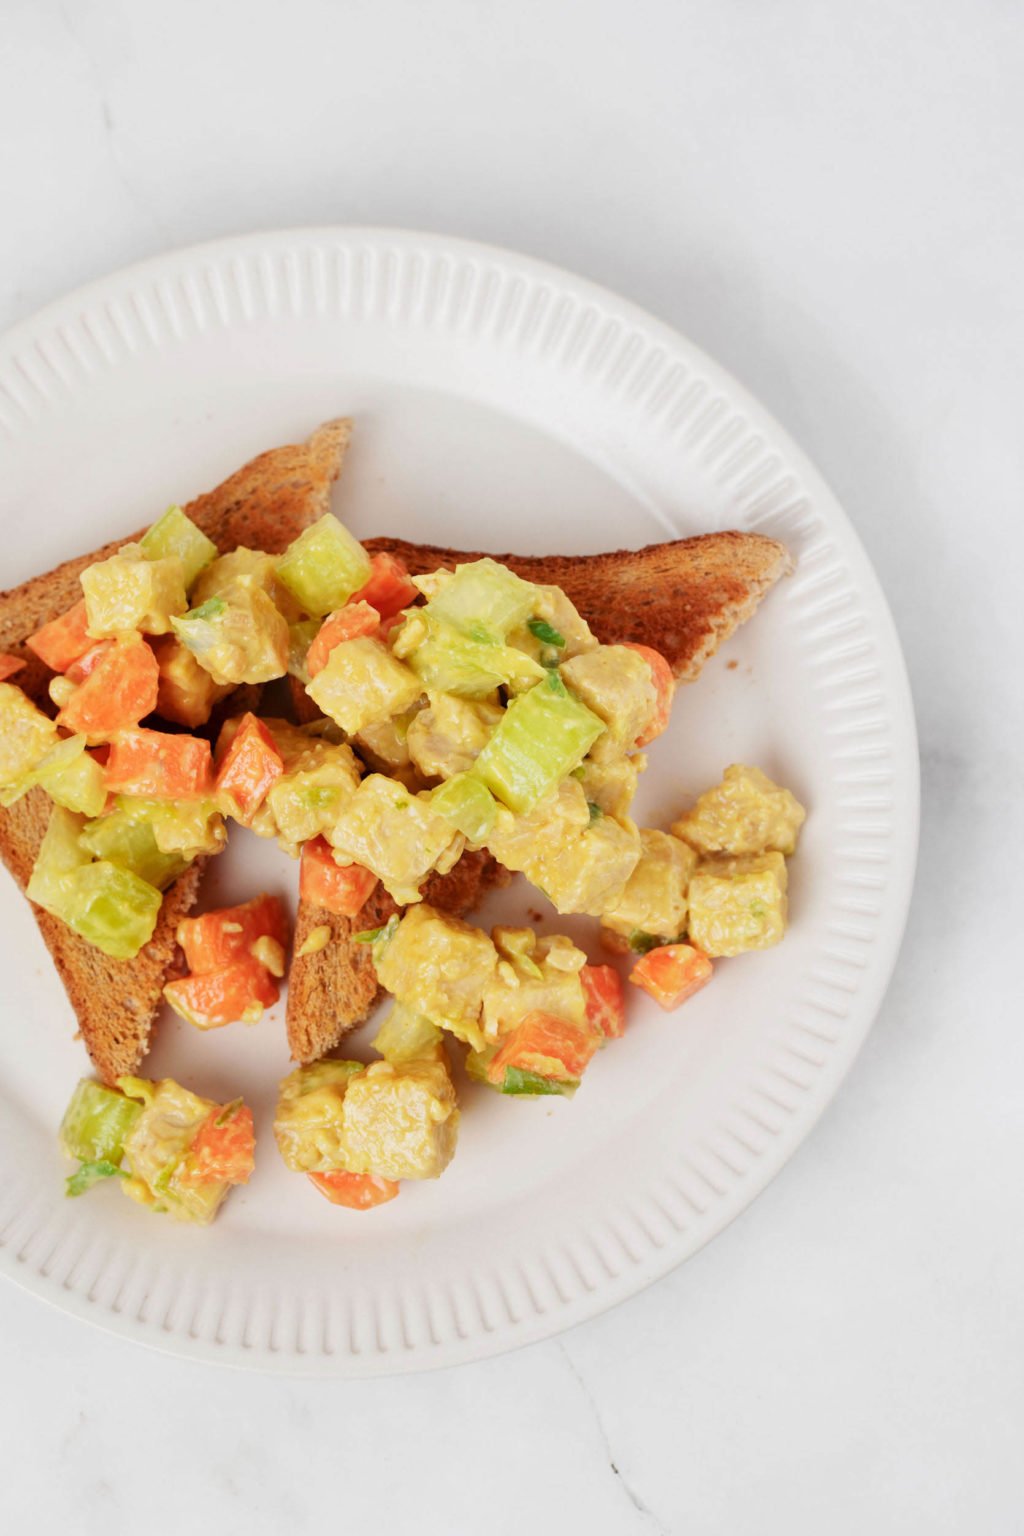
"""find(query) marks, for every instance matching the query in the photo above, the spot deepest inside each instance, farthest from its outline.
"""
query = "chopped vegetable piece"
(544, 735)
(547, 1045)
(60, 855)
(472, 664)
(9, 665)
(154, 763)
(130, 592)
(389, 589)
(346, 623)
(218, 938)
(92, 1173)
(250, 768)
(128, 840)
(238, 991)
(406, 1035)
(117, 694)
(27, 736)
(468, 805)
(85, 665)
(545, 633)
(175, 534)
(358, 1191)
(341, 889)
(108, 906)
(224, 1151)
(300, 637)
(532, 1085)
(324, 566)
(483, 595)
(606, 1003)
(665, 687)
(63, 640)
(672, 973)
(189, 827)
(96, 1122)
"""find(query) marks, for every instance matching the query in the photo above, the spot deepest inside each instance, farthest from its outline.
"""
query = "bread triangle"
(264, 505)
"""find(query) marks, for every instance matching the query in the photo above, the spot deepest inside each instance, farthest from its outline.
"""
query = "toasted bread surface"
(265, 504)
(335, 989)
(683, 598)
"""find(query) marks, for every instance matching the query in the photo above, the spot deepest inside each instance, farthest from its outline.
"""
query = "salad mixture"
(468, 709)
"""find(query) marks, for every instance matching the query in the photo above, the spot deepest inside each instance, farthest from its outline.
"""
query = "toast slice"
(683, 598)
(266, 504)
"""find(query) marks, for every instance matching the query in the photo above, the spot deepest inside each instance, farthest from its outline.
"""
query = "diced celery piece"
(69, 777)
(188, 827)
(127, 839)
(96, 1123)
(110, 908)
(543, 736)
(92, 1173)
(60, 856)
(176, 534)
(477, 1063)
(467, 804)
(449, 661)
(75, 781)
(323, 567)
(484, 600)
(406, 1035)
(300, 638)
(530, 1084)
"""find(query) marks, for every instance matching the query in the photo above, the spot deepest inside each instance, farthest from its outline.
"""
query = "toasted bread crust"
(684, 598)
(265, 504)
(336, 988)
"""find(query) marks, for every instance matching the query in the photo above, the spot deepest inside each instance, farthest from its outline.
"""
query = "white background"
(828, 198)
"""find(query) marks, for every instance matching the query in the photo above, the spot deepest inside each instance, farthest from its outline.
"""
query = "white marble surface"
(828, 198)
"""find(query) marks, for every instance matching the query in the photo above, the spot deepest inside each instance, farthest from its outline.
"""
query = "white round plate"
(499, 404)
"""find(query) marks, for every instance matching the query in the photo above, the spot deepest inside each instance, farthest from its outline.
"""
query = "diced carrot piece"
(250, 768)
(240, 990)
(88, 662)
(118, 692)
(63, 640)
(9, 665)
(672, 973)
(665, 687)
(340, 889)
(606, 1002)
(224, 1151)
(159, 766)
(359, 1191)
(346, 623)
(547, 1045)
(389, 587)
(218, 938)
